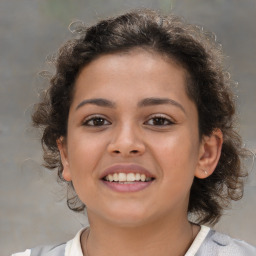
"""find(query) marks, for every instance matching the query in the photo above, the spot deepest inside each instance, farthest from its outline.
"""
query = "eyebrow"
(160, 101)
(98, 102)
(143, 103)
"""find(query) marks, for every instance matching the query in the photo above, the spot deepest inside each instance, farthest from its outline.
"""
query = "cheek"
(177, 152)
(82, 161)
(84, 153)
(175, 146)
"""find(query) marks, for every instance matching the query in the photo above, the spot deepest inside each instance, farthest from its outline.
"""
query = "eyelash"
(159, 117)
(93, 119)
(104, 122)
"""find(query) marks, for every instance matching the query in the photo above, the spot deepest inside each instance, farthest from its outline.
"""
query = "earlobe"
(64, 159)
(209, 155)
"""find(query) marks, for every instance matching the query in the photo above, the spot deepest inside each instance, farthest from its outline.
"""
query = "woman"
(139, 121)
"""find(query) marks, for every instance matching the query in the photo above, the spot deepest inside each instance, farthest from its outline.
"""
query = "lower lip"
(133, 187)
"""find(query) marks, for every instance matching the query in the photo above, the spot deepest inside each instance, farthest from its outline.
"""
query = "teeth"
(130, 177)
(137, 176)
(127, 178)
(142, 177)
(110, 177)
(122, 176)
(115, 177)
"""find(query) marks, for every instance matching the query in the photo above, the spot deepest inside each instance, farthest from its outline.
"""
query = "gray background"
(32, 209)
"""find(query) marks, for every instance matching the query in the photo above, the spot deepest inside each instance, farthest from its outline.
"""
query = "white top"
(198, 241)
(73, 247)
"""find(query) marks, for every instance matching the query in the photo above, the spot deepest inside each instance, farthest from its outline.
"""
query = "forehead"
(127, 78)
(137, 54)
(135, 74)
(139, 66)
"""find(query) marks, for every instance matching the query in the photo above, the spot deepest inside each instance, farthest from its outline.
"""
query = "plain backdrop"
(33, 210)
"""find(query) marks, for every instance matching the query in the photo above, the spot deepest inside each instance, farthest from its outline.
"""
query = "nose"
(126, 141)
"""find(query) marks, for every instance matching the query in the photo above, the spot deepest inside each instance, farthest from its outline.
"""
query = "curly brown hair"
(209, 86)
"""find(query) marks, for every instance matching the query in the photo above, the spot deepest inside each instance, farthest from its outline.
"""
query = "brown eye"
(96, 121)
(159, 121)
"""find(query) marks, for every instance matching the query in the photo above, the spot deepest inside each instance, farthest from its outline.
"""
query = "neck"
(172, 238)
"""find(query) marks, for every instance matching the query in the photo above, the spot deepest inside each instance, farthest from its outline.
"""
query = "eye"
(96, 121)
(159, 121)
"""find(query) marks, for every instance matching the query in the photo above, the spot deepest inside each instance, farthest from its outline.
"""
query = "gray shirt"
(207, 243)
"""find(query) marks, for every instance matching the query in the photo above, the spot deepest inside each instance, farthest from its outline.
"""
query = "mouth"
(127, 178)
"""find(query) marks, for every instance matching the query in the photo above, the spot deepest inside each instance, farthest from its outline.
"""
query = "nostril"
(134, 151)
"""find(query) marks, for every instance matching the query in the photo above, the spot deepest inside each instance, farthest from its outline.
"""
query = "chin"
(128, 221)
(119, 215)
(128, 217)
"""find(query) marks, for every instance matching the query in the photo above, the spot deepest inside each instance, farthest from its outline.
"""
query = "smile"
(127, 178)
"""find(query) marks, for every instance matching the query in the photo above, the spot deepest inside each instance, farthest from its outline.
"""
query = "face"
(132, 147)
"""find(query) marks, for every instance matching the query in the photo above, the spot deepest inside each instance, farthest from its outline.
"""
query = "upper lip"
(126, 168)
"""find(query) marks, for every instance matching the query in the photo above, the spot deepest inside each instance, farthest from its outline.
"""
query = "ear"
(62, 146)
(209, 155)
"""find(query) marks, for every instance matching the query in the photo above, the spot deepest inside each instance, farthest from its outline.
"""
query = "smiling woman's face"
(131, 115)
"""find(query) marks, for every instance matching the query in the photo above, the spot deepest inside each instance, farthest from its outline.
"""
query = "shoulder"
(71, 248)
(26, 253)
(223, 245)
(47, 250)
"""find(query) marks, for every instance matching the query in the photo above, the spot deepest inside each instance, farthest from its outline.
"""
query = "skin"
(152, 221)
